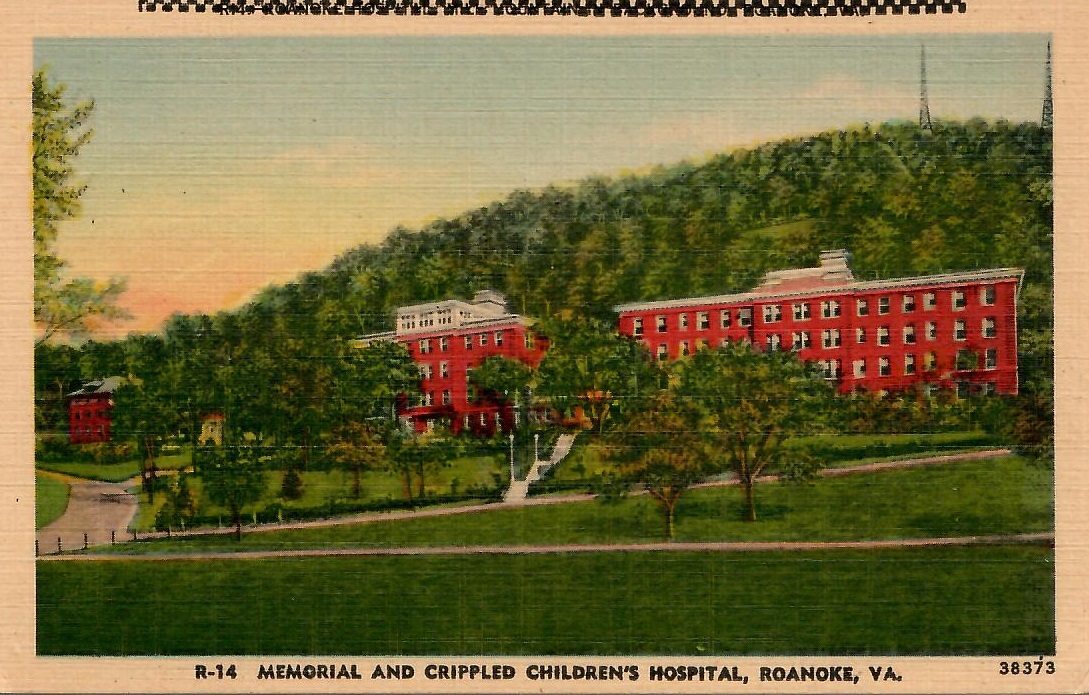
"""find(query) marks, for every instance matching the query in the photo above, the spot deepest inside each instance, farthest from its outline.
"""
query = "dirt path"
(94, 508)
(719, 547)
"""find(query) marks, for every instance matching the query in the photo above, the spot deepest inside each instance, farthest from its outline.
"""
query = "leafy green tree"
(502, 379)
(62, 305)
(750, 404)
(358, 447)
(660, 449)
(232, 478)
(589, 365)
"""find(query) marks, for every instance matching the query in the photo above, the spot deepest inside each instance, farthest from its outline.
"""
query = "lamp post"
(512, 457)
(536, 438)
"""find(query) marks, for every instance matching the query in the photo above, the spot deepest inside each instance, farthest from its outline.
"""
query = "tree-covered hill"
(904, 201)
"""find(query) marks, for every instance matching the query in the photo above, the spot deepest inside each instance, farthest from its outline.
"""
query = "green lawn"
(321, 487)
(994, 496)
(50, 499)
(112, 472)
(918, 601)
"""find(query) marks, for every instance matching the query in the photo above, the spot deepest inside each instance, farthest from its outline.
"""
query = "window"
(529, 340)
(774, 341)
(660, 322)
(860, 369)
(883, 305)
(446, 397)
(799, 340)
(444, 344)
(908, 303)
(425, 346)
(986, 295)
(958, 300)
(990, 359)
(931, 330)
(425, 371)
(988, 328)
(883, 335)
(483, 339)
(964, 388)
(685, 350)
(801, 311)
(989, 388)
(724, 318)
(429, 398)
(703, 321)
(829, 368)
(862, 307)
(744, 317)
(884, 368)
(909, 334)
(773, 313)
(468, 342)
(663, 352)
(909, 364)
(830, 338)
(930, 301)
(444, 369)
(930, 361)
(499, 338)
(703, 344)
(637, 326)
(960, 331)
(830, 309)
(860, 335)
(682, 322)
(725, 342)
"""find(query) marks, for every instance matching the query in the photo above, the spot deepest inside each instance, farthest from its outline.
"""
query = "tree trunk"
(237, 514)
(670, 516)
(408, 484)
(750, 504)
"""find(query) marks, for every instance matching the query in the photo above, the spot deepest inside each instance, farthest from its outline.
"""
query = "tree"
(588, 364)
(751, 402)
(501, 379)
(661, 450)
(62, 306)
(232, 478)
(359, 447)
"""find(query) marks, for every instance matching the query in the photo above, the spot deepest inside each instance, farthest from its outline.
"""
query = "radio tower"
(924, 101)
(1047, 117)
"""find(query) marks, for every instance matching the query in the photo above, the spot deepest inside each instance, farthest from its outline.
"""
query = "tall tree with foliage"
(232, 477)
(502, 379)
(750, 404)
(660, 449)
(358, 447)
(62, 305)
(589, 365)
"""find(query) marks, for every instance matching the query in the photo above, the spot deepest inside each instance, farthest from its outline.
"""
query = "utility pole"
(924, 99)
(1047, 116)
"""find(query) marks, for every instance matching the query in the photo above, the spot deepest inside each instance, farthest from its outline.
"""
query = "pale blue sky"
(222, 165)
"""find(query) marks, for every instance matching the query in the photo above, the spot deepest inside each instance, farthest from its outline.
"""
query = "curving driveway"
(94, 508)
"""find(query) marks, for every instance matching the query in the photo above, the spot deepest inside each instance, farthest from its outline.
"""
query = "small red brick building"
(955, 330)
(447, 339)
(90, 411)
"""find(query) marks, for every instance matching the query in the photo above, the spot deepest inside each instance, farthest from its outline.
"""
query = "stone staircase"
(519, 489)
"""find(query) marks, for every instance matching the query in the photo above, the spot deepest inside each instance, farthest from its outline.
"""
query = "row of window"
(88, 414)
(482, 339)
(830, 338)
(966, 360)
(801, 311)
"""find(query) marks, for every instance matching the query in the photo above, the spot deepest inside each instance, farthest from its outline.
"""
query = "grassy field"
(994, 496)
(940, 601)
(50, 499)
(112, 472)
(320, 487)
(833, 450)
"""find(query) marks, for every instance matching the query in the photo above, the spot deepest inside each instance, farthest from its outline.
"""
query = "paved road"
(94, 508)
(720, 547)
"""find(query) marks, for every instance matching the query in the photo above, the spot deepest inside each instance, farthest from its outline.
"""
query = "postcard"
(603, 346)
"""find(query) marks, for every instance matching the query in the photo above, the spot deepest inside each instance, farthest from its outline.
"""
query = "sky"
(220, 166)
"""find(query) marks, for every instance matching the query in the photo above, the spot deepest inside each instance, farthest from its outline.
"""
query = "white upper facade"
(450, 313)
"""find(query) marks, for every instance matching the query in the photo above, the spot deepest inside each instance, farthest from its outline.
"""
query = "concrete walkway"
(720, 547)
(96, 509)
(519, 489)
